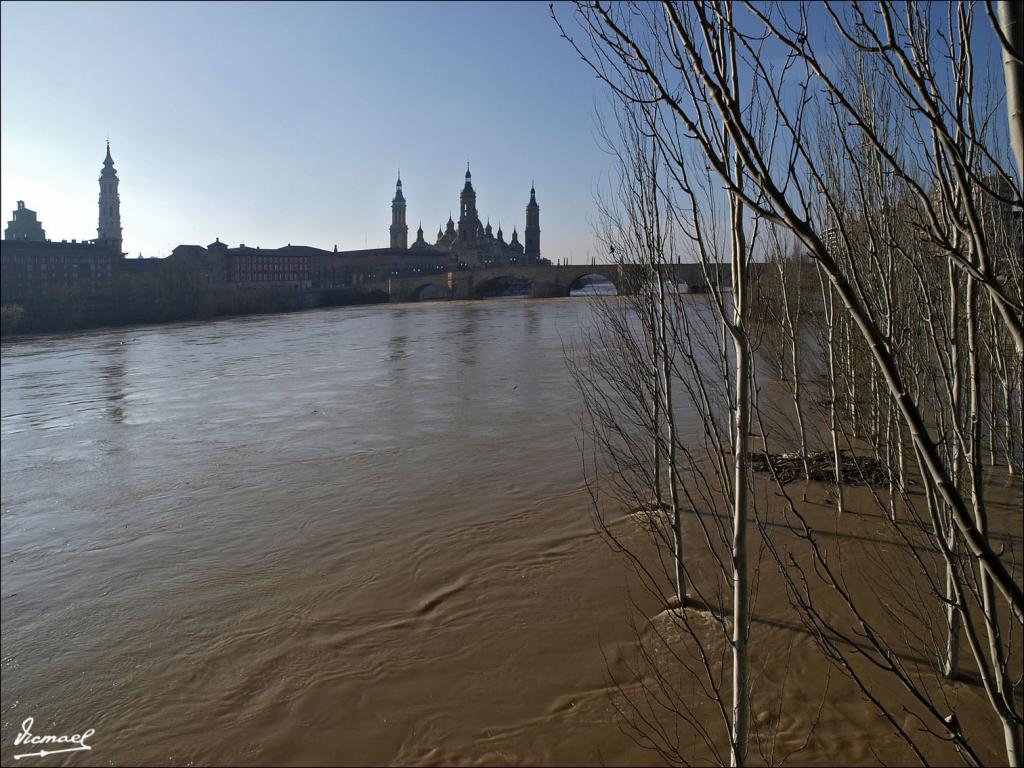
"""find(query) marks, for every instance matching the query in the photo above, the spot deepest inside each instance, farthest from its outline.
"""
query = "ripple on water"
(345, 536)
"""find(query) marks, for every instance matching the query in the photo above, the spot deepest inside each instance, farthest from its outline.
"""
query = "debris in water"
(789, 467)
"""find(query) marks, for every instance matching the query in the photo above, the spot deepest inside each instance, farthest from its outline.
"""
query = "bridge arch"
(427, 291)
(509, 284)
(593, 277)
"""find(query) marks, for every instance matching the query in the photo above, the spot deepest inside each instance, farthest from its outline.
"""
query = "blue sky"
(272, 123)
(269, 123)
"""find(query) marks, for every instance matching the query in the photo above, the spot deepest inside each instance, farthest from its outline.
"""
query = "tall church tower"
(531, 235)
(469, 222)
(110, 204)
(399, 229)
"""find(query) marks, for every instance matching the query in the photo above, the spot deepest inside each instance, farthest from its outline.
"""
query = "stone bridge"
(543, 281)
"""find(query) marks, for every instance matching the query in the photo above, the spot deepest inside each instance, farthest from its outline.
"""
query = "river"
(356, 535)
(361, 536)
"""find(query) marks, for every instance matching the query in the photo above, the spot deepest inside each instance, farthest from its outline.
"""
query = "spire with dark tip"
(399, 229)
(109, 229)
(469, 220)
(531, 235)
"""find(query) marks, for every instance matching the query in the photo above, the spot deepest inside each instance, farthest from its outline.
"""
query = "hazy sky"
(269, 123)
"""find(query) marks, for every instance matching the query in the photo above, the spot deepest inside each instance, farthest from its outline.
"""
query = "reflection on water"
(600, 287)
(339, 536)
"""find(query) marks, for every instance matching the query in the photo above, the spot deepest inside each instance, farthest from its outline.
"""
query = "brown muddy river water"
(349, 536)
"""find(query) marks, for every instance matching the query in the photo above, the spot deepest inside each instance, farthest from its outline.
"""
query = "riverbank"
(63, 313)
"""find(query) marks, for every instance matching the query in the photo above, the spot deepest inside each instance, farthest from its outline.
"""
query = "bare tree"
(905, 213)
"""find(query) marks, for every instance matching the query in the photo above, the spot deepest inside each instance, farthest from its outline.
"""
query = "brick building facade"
(32, 270)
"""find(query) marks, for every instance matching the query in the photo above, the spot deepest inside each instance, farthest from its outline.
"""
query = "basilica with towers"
(469, 243)
(36, 271)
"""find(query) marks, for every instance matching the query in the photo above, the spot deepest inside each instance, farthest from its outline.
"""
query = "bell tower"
(109, 228)
(399, 229)
(469, 222)
(531, 235)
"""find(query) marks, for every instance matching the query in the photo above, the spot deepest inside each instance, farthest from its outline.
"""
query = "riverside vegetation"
(850, 163)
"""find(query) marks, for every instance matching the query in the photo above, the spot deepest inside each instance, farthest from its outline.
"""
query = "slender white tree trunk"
(741, 445)
(741, 619)
(1011, 730)
(1011, 445)
(655, 400)
(791, 329)
(951, 667)
(1011, 23)
(829, 309)
(852, 378)
(673, 479)
(741, 441)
